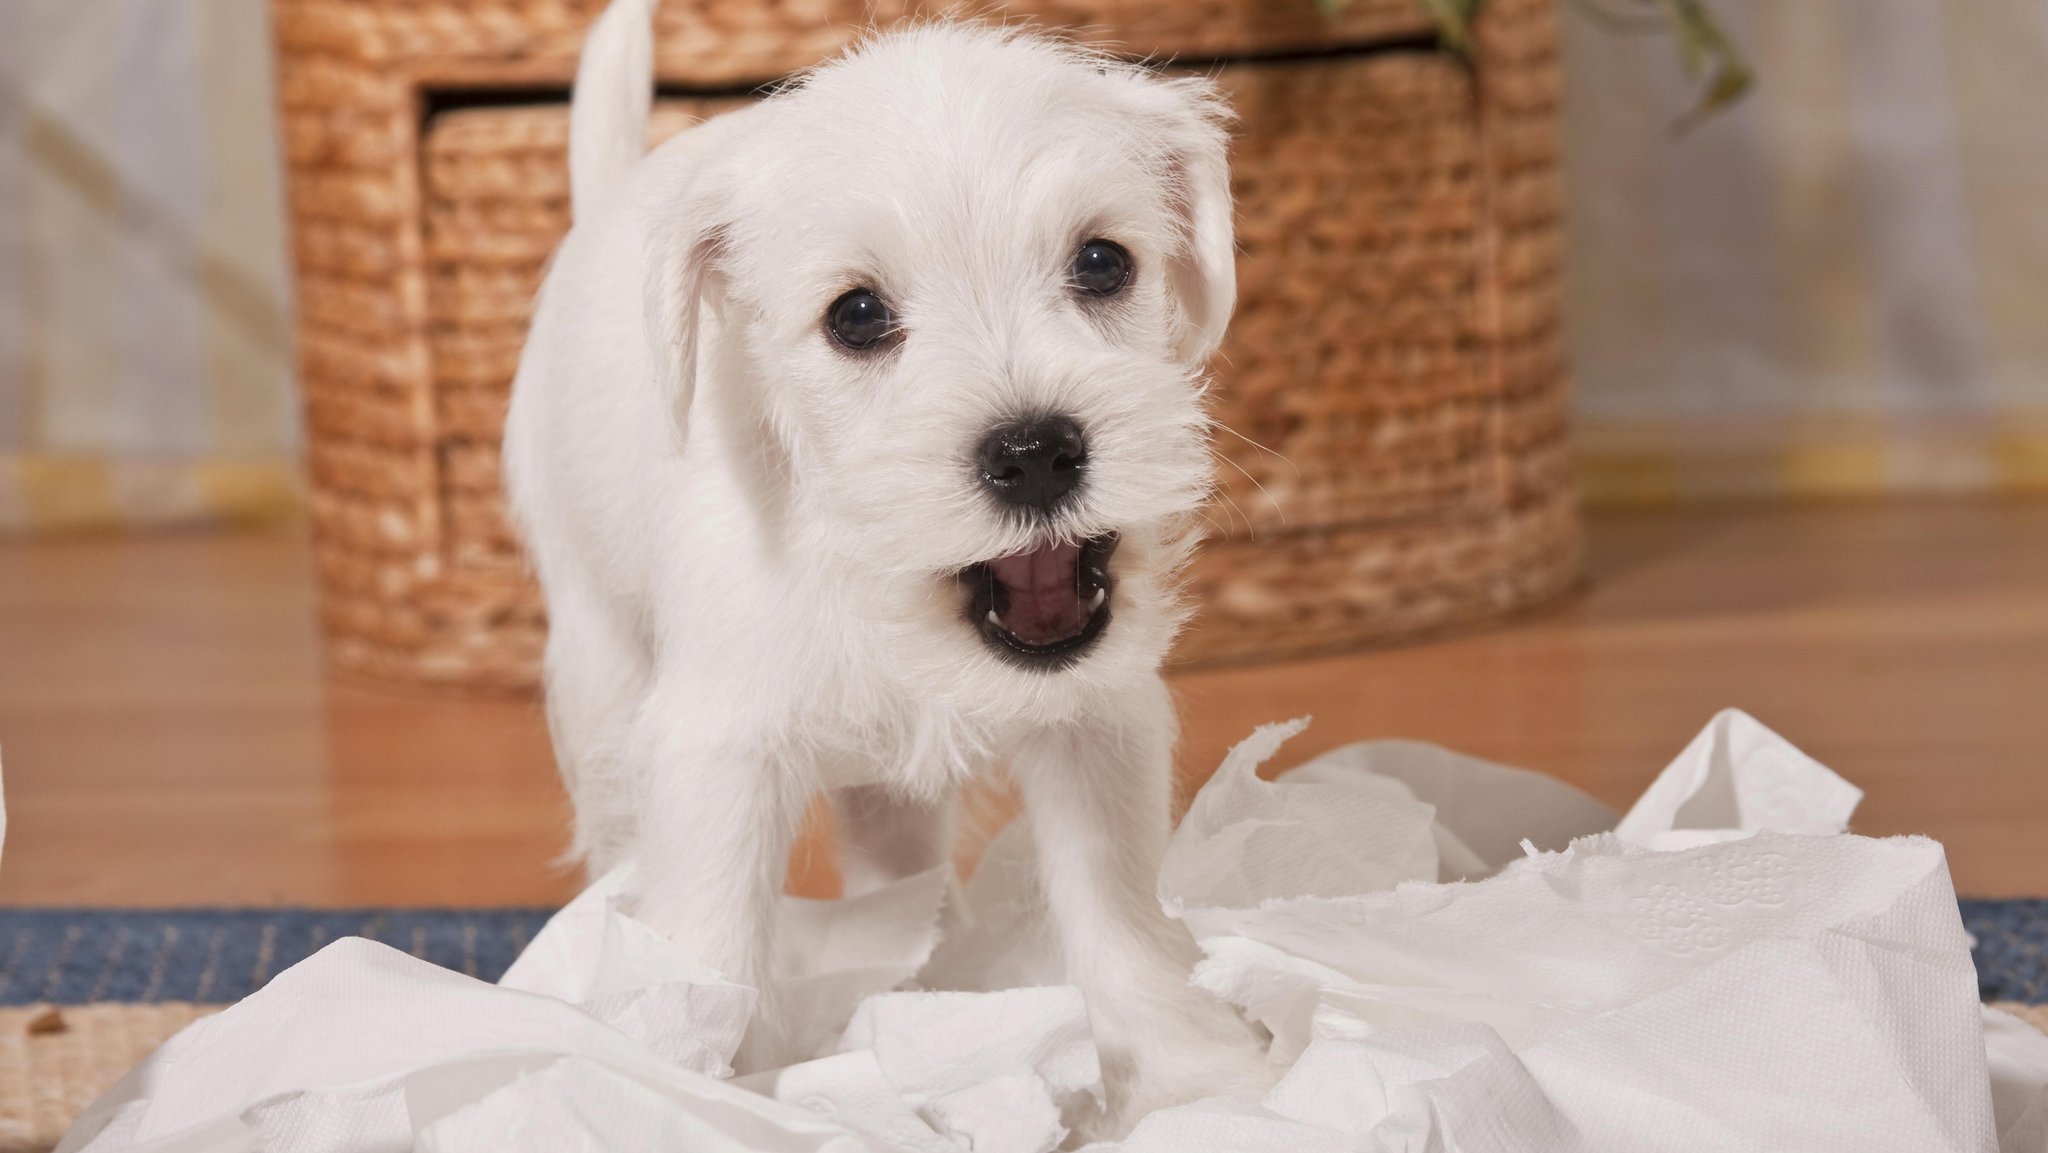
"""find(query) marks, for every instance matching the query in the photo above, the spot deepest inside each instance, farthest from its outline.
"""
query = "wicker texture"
(1393, 381)
(497, 201)
(1412, 387)
(56, 1061)
(447, 43)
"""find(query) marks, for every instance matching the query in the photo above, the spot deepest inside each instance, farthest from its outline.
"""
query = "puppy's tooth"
(1100, 596)
(994, 619)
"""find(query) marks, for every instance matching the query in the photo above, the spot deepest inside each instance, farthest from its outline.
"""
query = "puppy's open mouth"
(1043, 607)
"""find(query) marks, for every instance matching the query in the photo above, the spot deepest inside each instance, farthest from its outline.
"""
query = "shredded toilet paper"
(1450, 956)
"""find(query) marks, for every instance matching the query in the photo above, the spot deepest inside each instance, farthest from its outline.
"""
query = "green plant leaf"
(1453, 18)
(1454, 21)
(1705, 49)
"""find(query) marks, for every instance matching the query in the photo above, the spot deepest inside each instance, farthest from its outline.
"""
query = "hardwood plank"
(168, 737)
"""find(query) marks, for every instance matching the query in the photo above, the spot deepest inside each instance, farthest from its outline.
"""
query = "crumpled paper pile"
(1451, 956)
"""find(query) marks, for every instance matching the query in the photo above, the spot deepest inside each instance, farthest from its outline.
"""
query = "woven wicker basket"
(1393, 375)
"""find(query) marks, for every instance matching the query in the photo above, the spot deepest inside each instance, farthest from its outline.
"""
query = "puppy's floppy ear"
(1201, 278)
(673, 297)
(684, 246)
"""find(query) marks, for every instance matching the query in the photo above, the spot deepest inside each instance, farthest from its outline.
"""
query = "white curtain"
(1838, 286)
(145, 350)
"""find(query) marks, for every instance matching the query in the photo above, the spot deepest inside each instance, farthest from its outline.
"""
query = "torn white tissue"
(1736, 778)
(830, 955)
(362, 1047)
(991, 1072)
(1451, 955)
(2018, 1053)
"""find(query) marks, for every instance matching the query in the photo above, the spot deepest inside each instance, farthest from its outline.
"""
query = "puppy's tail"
(614, 89)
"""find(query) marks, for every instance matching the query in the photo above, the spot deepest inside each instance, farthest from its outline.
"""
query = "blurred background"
(145, 305)
(257, 656)
(1575, 394)
(1832, 287)
(1796, 468)
(1805, 410)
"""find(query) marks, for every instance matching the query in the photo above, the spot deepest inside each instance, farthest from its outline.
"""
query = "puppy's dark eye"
(1101, 268)
(860, 319)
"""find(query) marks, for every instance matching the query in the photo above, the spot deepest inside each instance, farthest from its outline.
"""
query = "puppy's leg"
(884, 837)
(596, 672)
(718, 813)
(1098, 798)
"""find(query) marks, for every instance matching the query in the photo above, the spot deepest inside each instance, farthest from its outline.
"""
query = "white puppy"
(857, 442)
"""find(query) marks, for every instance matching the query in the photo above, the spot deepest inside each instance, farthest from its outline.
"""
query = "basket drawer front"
(1351, 380)
(496, 202)
(1351, 385)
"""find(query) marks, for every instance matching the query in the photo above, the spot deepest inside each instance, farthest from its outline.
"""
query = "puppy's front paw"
(1202, 1049)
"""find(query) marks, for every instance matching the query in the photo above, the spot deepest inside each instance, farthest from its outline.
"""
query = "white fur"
(748, 537)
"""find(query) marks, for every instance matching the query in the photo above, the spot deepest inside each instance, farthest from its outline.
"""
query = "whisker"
(1255, 444)
(1225, 525)
(1250, 525)
(1255, 484)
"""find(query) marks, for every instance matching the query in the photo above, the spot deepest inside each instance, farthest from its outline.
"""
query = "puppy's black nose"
(1032, 464)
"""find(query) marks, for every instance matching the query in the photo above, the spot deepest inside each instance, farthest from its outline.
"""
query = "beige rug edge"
(54, 1061)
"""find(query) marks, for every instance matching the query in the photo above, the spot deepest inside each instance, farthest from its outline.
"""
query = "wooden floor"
(168, 737)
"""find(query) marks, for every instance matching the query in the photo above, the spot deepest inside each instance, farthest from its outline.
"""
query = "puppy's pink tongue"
(1043, 593)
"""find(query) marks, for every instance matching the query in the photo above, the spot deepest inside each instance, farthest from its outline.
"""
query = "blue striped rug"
(214, 956)
(77, 956)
